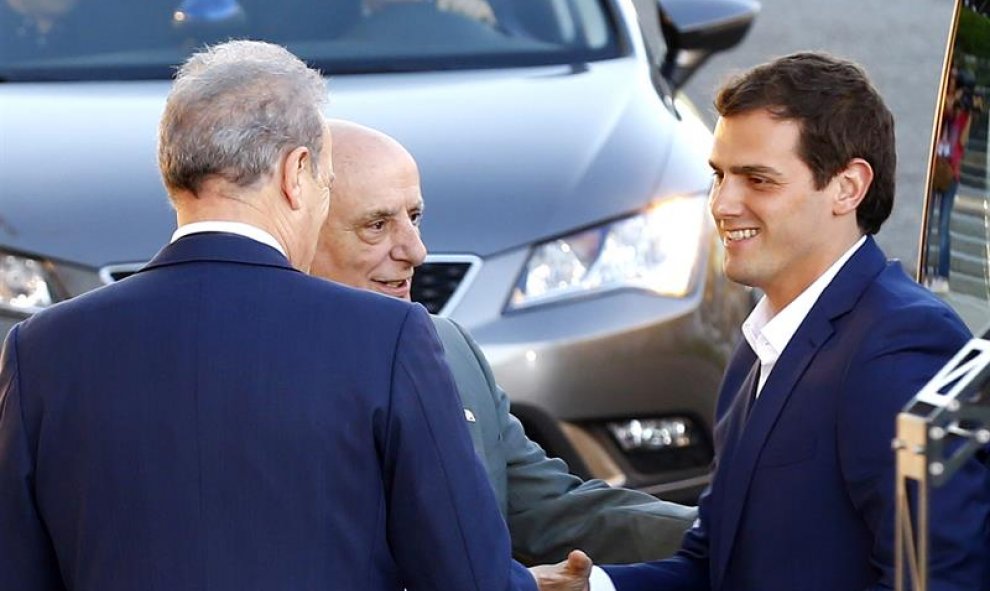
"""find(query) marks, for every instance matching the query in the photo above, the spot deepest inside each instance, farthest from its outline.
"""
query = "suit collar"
(228, 227)
(851, 281)
(218, 247)
(741, 451)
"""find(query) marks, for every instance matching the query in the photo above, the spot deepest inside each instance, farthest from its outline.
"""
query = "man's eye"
(377, 225)
(416, 217)
(717, 177)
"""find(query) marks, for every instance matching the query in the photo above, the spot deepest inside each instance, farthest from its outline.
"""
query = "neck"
(780, 296)
(252, 208)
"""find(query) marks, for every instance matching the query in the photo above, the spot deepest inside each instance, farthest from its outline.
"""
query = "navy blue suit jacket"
(221, 421)
(803, 491)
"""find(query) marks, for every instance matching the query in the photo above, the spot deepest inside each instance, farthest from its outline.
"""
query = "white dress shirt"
(241, 229)
(767, 335)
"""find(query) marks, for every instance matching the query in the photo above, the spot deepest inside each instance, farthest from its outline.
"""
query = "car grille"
(437, 284)
(434, 283)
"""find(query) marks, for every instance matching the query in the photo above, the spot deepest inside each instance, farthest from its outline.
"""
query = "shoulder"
(341, 305)
(471, 370)
(459, 347)
(896, 309)
(451, 334)
(893, 341)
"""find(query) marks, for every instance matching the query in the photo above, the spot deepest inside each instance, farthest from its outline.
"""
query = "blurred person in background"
(957, 118)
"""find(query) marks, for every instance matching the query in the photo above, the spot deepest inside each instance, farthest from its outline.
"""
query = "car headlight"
(655, 250)
(25, 285)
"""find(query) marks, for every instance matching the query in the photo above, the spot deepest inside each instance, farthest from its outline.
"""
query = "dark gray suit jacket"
(549, 510)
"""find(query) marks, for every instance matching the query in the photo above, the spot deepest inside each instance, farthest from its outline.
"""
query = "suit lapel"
(733, 418)
(747, 441)
(217, 247)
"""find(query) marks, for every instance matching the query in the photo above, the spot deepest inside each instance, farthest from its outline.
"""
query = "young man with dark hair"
(803, 490)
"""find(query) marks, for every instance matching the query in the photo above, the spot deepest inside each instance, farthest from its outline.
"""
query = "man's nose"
(409, 245)
(723, 199)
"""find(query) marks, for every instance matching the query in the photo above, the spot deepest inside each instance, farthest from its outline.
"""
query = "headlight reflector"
(655, 434)
(656, 250)
(24, 284)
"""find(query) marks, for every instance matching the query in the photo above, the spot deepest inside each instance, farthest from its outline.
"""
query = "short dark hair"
(841, 114)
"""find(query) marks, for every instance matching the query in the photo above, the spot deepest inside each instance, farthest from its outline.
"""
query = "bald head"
(363, 157)
(371, 236)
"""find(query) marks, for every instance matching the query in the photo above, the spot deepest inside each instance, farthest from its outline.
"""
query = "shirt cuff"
(599, 580)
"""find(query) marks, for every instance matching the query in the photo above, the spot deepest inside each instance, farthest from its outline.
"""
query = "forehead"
(754, 137)
(376, 195)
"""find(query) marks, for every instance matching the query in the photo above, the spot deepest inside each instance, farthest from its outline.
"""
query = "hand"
(569, 575)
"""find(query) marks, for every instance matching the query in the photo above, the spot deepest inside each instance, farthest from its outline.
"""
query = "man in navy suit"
(223, 421)
(371, 240)
(803, 491)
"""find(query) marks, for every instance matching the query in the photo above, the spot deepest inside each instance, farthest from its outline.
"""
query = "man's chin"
(739, 274)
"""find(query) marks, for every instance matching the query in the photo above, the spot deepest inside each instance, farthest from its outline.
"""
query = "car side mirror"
(694, 30)
(954, 259)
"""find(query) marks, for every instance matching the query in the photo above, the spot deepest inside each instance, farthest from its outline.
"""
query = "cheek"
(377, 261)
(359, 261)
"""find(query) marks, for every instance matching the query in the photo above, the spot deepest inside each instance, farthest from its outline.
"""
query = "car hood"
(507, 157)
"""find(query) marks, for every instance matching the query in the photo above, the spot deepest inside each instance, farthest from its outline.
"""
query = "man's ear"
(852, 184)
(294, 166)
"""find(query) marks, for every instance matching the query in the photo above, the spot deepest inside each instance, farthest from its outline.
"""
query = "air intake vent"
(434, 283)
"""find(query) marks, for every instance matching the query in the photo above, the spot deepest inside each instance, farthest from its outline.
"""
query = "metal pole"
(911, 541)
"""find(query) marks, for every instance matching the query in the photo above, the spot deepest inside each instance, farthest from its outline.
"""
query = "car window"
(99, 39)
(955, 258)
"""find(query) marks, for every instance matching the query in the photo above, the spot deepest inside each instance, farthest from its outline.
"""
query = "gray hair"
(234, 110)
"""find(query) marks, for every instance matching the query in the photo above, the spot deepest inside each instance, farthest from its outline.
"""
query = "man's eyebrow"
(384, 212)
(377, 214)
(754, 169)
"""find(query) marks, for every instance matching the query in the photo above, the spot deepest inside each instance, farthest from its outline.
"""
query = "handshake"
(569, 575)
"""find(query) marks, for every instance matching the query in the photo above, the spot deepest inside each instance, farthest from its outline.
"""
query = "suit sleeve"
(27, 559)
(892, 367)
(685, 571)
(443, 523)
(551, 511)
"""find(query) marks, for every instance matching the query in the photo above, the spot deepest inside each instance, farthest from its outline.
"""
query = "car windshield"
(145, 39)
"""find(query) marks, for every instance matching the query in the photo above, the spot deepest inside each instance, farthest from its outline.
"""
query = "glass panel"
(126, 39)
(955, 254)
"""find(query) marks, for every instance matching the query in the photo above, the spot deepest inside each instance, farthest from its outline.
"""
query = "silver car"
(565, 182)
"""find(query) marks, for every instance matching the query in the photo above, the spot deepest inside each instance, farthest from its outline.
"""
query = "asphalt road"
(901, 46)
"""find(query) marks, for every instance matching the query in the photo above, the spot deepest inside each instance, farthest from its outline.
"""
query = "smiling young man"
(780, 228)
(803, 490)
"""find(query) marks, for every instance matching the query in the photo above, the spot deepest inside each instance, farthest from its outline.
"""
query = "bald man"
(371, 241)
